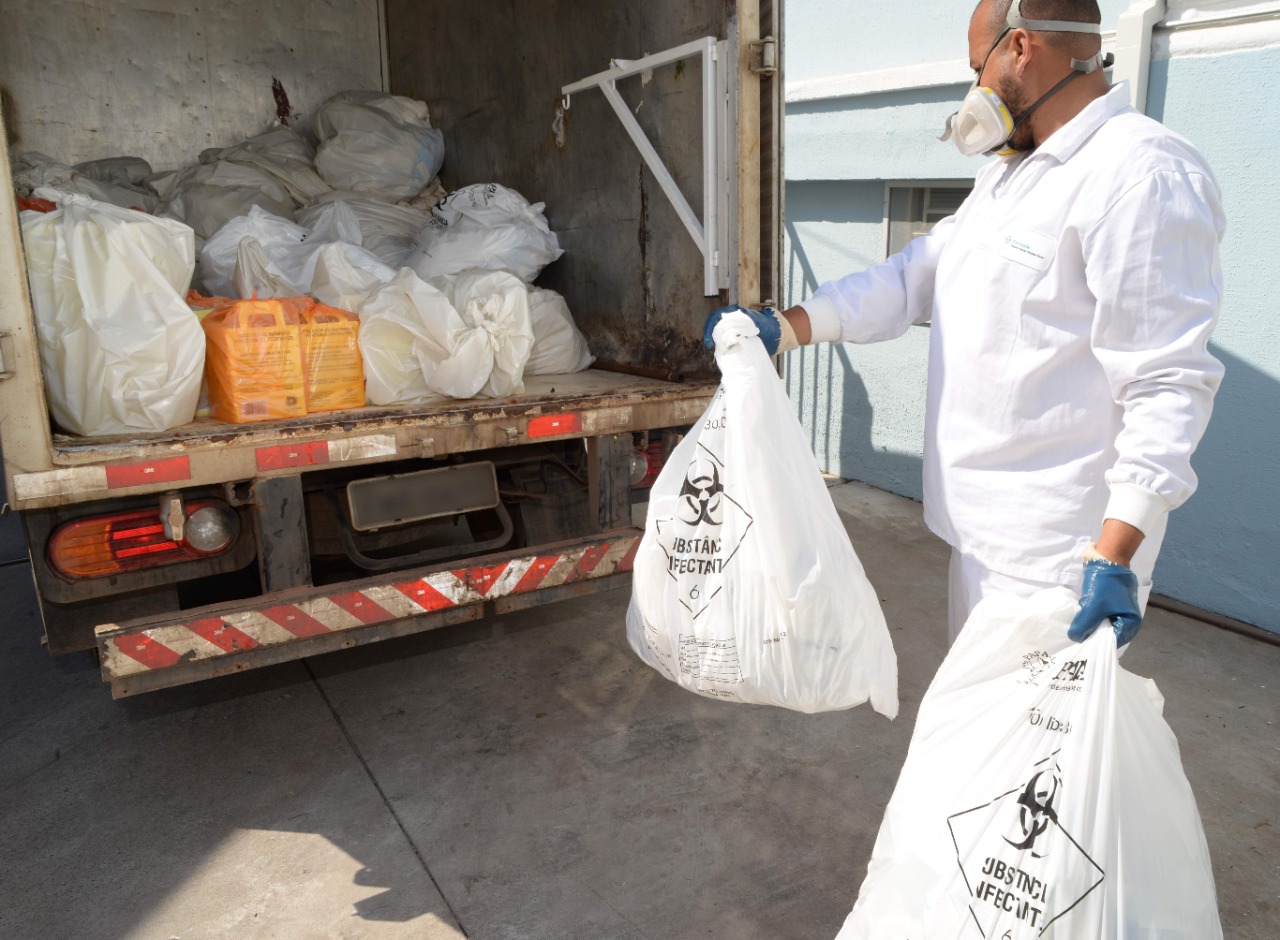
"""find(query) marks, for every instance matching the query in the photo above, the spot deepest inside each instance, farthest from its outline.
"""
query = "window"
(912, 209)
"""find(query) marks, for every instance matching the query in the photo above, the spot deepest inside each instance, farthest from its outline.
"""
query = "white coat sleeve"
(883, 301)
(1152, 263)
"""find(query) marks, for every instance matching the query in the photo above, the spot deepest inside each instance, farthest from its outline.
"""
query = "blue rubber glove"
(766, 321)
(1110, 592)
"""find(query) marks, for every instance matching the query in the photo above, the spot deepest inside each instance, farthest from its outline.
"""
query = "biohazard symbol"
(701, 497)
(1036, 810)
(1035, 663)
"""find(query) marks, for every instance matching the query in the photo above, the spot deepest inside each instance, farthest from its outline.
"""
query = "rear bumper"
(144, 655)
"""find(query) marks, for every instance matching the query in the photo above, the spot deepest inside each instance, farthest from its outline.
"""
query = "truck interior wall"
(84, 79)
(492, 73)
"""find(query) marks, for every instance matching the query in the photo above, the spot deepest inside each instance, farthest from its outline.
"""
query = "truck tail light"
(647, 464)
(100, 546)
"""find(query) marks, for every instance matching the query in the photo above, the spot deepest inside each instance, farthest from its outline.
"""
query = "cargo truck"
(650, 130)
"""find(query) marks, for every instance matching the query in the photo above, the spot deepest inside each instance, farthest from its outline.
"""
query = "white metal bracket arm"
(708, 233)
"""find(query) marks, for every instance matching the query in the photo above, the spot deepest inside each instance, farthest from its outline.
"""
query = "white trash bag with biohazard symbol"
(746, 587)
(1042, 797)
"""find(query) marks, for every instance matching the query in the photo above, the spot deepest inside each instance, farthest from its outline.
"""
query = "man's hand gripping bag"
(1042, 797)
(746, 587)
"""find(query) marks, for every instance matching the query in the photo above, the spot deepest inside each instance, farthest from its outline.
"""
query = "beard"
(1018, 102)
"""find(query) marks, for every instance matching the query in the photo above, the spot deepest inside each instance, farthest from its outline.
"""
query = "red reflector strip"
(361, 607)
(538, 570)
(222, 635)
(295, 620)
(552, 425)
(283, 456)
(148, 652)
(629, 559)
(424, 594)
(168, 470)
(587, 563)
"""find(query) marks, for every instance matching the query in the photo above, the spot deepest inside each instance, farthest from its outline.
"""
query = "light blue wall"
(1223, 547)
(863, 407)
(887, 136)
(834, 37)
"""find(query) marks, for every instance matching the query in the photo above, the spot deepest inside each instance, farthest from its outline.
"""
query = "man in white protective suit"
(1072, 297)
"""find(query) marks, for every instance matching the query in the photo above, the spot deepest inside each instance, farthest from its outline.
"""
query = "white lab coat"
(1071, 297)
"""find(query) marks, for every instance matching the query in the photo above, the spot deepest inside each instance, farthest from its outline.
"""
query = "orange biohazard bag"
(253, 360)
(331, 359)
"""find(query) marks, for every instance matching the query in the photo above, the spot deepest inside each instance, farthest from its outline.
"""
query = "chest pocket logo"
(1029, 248)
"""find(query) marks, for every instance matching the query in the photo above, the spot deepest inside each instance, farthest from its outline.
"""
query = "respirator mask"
(984, 123)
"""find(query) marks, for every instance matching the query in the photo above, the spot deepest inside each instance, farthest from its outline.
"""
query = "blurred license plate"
(378, 502)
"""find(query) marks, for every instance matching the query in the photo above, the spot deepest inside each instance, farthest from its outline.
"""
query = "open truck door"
(515, 501)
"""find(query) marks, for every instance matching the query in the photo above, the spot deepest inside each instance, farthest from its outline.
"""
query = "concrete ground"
(528, 778)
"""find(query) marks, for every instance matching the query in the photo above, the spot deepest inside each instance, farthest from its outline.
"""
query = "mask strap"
(1100, 61)
(1017, 21)
(949, 129)
(1078, 67)
(1043, 98)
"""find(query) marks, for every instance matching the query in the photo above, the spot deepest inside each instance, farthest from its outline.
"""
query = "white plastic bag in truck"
(1042, 797)
(386, 230)
(746, 587)
(104, 180)
(218, 256)
(495, 307)
(208, 196)
(558, 345)
(378, 145)
(415, 345)
(340, 282)
(273, 257)
(485, 226)
(283, 154)
(120, 349)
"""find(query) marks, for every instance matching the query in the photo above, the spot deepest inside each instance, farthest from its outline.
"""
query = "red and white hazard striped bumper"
(144, 655)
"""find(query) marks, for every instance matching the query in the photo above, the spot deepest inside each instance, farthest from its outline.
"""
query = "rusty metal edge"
(511, 603)
(186, 673)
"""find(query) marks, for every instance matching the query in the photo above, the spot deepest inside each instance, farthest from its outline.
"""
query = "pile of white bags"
(558, 345)
(1042, 796)
(380, 145)
(745, 585)
(485, 226)
(276, 216)
(120, 349)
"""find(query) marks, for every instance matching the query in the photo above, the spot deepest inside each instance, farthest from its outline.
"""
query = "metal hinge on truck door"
(766, 52)
(711, 234)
